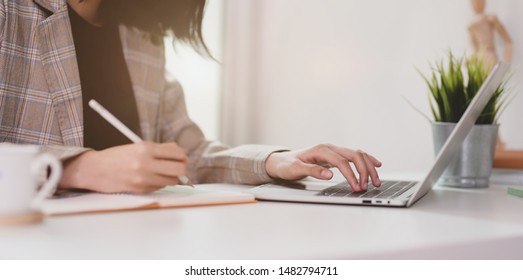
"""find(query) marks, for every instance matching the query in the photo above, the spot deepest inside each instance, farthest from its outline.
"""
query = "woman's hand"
(296, 165)
(136, 168)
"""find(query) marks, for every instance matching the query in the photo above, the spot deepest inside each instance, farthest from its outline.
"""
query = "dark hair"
(181, 18)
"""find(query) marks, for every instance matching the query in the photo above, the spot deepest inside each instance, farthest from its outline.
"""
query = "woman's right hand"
(135, 168)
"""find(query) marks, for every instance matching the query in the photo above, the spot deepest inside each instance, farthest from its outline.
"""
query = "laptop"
(391, 193)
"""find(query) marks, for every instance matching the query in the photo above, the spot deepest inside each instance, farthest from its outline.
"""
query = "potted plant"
(453, 84)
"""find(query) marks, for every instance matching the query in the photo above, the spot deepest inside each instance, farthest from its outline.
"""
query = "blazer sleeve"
(210, 161)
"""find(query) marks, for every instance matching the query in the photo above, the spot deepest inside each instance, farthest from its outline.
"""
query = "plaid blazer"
(41, 96)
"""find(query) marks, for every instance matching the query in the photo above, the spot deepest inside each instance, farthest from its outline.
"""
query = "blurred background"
(302, 72)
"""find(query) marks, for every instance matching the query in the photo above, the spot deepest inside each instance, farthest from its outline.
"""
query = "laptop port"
(378, 201)
(367, 201)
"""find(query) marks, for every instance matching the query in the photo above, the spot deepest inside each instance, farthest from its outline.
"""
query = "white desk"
(446, 223)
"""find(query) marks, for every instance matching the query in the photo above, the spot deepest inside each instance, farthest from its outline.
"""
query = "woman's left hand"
(295, 165)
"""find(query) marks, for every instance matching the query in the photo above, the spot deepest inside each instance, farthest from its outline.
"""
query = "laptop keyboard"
(387, 190)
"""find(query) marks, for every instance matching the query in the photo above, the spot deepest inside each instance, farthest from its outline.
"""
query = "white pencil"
(124, 130)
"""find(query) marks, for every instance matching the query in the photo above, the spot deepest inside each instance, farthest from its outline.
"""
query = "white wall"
(335, 71)
(201, 76)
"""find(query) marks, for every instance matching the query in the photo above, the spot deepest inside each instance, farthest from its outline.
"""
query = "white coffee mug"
(22, 171)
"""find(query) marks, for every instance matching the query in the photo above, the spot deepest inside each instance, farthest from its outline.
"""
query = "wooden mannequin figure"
(482, 31)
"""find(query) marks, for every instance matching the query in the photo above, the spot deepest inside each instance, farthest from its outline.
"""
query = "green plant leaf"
(454, 82)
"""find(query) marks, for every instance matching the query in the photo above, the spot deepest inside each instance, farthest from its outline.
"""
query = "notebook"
(171, 196)
(392, 193)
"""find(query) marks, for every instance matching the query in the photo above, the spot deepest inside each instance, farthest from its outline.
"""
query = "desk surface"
(446, 223)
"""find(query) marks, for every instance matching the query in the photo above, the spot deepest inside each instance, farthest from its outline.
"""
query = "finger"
(347, 172)
(155, 181)
(170, 168)
(369, 163)
(374, 161)
(147, 183)
(303, 169)
(361, 166)
(359, 163)
(162, 181)
(329, 156)
(153, 188)
(372, 171)
(169, 151)
(348, 152)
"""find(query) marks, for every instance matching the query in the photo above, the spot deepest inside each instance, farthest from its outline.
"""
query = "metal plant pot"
(472, 165)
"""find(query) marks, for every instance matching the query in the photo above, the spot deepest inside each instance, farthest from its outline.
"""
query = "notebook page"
(95, 202)
(178, 196)
(170, 196)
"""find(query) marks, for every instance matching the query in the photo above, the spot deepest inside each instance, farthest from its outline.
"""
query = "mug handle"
(50, 184)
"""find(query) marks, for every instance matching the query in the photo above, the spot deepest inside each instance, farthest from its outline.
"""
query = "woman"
(57, 54)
